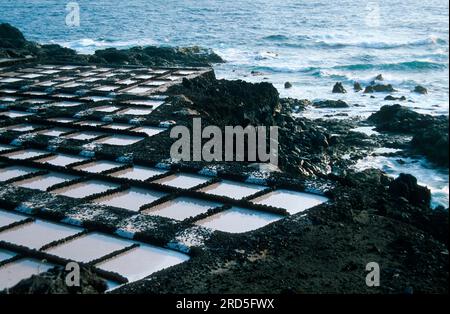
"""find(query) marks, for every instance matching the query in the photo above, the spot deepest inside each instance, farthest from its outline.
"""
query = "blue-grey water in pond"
(312, 44)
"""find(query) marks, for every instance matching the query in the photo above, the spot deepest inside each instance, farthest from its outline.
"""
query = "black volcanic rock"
(14, 45)
(406, 186)
(330, 104)
(287, 85)
(420, 90)
(357, 87)
(430, 133)
(11, 37)
(390, 97)
(379, 88)
(339, 88)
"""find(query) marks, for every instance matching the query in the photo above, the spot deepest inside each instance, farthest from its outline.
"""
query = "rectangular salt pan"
(62, 160)
(90, 123)
(106, 108)
(14, 172)
(182, 208)
(138, 173)
(22, 127)
(183, 181)
(89, 247)
(98, 166)
(7, 218)
(131, 199)
(5, 255)
(54, 132)
(119, 140)
(142, 261)
(237, 220)
(118, 126)
(84, 135)
(151, 103)
(84, 189)
(4, 147)
(15, 114)
(65, 104)
(136, 111)
(149, 130)
(236, 190)
(139, 90)
(36, 234)
(12, 273)
(294, 202)
(45, 181)
(25, 154)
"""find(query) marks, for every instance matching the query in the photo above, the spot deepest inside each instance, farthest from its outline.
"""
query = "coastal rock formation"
(379, 88)
(330, 104)
(287, 85)
(430, 133)
(357, 87)
(14, 45)
(390, 97)
(406, 186)
(420, 90)
(339, 88)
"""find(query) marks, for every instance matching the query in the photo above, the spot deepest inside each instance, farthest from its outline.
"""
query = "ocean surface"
(311, 44)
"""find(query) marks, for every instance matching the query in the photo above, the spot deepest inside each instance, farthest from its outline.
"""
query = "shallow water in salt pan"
(136, 111)
(98, 166)
(237, 220)
(149, 130)
(45, 181)
(84, 136)
(14, 172)
(138, 173)
(88, 247)
(182, 208)
(54, 132)
(293, 201)
(15, 114)
(118, 126)
(151, 103)
(83, 189)
(36, 234)
(25, 154)
(183, 180)
(21, 127)
(7, 218)
(62, 160)
(12, 273)
(236, 190)
(142, 261)
(5, 255)
(131, 199)
(119, 140)
(4, 147)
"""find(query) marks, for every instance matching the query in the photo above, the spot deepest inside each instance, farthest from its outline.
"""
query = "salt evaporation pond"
(45, 181)
(84, 189)
(138, 173)
(12, 273)
(182, 208)
(236, 190)
(131, 199)
(183, 180)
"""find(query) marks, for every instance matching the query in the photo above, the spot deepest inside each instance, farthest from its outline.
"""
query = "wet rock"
(357, 87)
(379, 88)
(294, 105)
(379, 77)
(330, 104)
(287, 85)
(390, 97)
(420, 90)
(339, 88)
(430, 133)
(406, 186)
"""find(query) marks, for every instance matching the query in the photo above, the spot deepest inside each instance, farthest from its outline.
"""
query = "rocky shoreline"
(371, 217)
